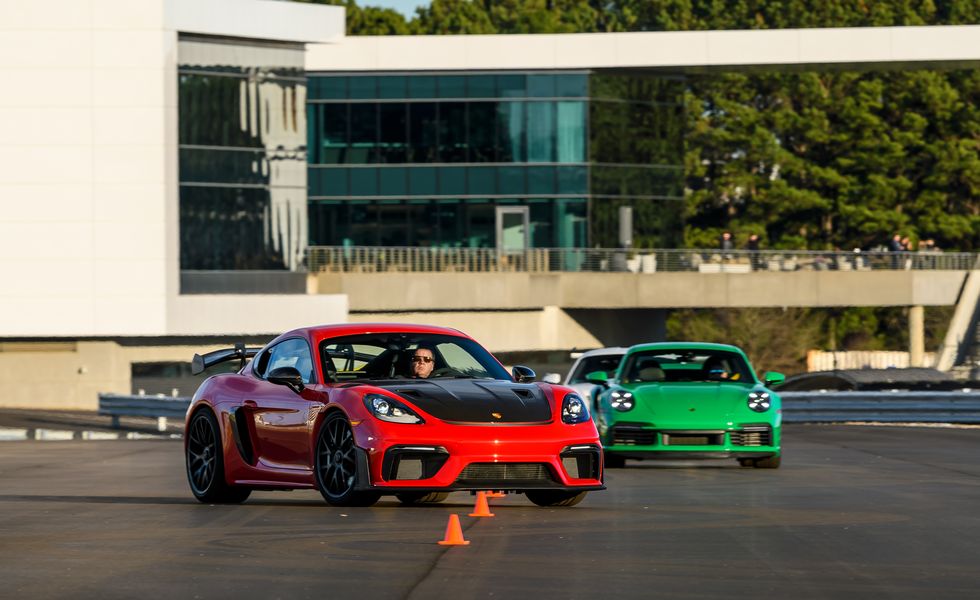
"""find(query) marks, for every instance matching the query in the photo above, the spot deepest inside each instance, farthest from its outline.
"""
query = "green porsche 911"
(688, 400)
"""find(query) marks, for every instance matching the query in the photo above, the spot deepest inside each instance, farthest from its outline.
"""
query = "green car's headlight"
(759, 401)
(622, 401)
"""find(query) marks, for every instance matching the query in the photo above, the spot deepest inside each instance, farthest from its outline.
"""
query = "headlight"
(622, 401)
(574, 410)
(389, 409)
(759, 401)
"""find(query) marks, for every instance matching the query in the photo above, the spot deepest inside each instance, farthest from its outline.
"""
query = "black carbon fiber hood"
(476, 401)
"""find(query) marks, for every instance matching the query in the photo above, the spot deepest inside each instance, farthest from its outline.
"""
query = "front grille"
(752, 436)
(633, 435)
(497, 473)
(693, 439)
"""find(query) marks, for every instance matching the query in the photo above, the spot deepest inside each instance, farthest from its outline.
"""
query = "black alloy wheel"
(205, 463)
(555, 497)
(336, 464)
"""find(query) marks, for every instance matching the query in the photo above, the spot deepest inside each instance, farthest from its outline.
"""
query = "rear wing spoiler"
(199, 363)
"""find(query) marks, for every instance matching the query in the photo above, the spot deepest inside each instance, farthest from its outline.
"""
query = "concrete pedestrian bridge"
(543, 299)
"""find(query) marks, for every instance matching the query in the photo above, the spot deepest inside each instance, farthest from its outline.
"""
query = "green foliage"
(774, 339)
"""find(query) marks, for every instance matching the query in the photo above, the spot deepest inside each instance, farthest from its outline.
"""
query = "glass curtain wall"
(636, 151)
(242, 154)
(426, 160)
(430, 159)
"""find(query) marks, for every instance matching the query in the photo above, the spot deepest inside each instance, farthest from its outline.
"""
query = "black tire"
(554, 497)
(336, 464)
(422, 497)
(206, 465)
(771, 462)
(611, 461)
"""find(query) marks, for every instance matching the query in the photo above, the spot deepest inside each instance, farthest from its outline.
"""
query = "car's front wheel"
(554, 497)
(206, 465)
(336, 464)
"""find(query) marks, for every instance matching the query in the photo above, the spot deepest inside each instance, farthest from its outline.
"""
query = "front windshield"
(378, 356)
(590, 364)
(651, 366)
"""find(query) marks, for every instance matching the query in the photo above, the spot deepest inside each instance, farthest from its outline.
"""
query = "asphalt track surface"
(855, 512)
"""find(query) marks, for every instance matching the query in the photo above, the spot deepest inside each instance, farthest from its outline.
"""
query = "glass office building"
(242, 154)
(504, 159)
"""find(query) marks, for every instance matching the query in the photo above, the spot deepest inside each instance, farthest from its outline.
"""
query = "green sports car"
(688, 400)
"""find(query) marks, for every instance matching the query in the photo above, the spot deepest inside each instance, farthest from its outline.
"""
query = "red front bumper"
(510, 457)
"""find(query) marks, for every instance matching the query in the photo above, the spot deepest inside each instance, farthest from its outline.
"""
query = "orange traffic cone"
(496, 494)
(482, 509)
(454, 533)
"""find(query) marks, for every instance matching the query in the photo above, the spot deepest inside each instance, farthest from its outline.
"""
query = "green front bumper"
(638, 440)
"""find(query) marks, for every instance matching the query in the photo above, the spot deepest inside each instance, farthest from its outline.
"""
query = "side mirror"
(523, 374)
(552, 378)
(773, 378)
(287, 376)
(598, 378)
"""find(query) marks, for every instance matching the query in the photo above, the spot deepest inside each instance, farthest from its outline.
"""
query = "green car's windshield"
(666, 365)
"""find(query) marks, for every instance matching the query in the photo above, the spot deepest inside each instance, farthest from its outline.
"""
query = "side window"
(291, 353)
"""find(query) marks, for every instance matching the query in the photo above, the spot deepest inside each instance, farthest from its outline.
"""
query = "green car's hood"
(688, 404)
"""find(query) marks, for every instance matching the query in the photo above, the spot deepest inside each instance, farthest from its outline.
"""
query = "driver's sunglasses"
(422, 359)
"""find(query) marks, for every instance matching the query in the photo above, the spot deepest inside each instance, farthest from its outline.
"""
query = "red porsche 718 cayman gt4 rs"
(359, 411)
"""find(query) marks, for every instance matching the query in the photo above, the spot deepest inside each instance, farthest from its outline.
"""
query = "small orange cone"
(454, 533)
(482, 509)
(496, 495)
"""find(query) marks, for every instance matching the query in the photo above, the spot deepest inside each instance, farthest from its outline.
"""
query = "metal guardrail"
(881, 406)
(158, 407)
(388, 259)
(798, 407)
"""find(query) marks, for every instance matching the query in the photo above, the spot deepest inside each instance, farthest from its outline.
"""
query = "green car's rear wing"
(199, 363)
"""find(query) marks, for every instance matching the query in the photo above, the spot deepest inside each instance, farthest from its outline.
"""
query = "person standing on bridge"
(753, 247)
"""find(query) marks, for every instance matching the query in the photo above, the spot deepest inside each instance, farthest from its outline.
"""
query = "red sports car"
(359, 411)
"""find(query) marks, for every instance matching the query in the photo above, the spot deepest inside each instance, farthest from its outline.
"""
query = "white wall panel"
(45, 240)
(45, 164)
(45, 126)
(127, 14)
(129, 48)
(61, 277)
(132, 241)
(130, 316)
(35, 202)
(45, 316)
(119, 125)
(38, 49)
(128, 86)
(120, 277)
(130, 203)
(53, 15)
(128, 164)
(39, 88)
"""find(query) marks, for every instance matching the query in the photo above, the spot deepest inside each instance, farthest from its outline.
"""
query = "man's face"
(422, 362)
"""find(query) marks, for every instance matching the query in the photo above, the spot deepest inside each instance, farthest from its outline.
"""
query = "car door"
(282, 419)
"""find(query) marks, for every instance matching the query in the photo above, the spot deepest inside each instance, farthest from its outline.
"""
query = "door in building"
(512, 236)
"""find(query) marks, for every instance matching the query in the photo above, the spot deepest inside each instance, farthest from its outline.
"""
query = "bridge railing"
(386, 259)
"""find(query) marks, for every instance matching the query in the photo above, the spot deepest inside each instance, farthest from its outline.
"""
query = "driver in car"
(423, 361)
